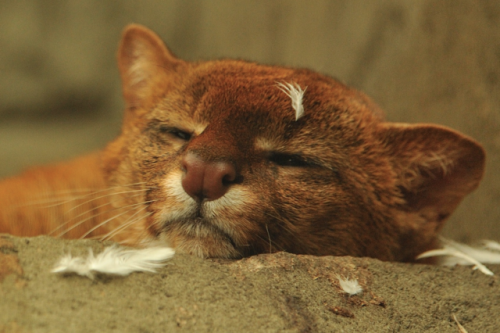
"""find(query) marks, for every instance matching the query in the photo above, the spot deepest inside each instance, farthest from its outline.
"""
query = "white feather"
(295, 92)
(350, 287)
(115, 261)
(460, 254)
(491, 245)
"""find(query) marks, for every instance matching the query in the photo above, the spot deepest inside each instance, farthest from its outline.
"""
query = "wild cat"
(229, 158)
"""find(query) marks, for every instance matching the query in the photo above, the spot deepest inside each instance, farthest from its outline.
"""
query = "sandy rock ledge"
(266, 293)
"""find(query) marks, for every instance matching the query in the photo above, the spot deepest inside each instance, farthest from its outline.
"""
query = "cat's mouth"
(199, 236)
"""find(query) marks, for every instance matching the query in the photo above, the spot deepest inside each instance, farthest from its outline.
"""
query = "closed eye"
(176, 132)
(289, 160)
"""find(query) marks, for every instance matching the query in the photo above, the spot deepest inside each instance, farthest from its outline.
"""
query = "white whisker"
(112, 218)
(130, 221)
(102, 223)
(104, 196)
(82, 214)
(57, 196)
(270, 242)
(132, 207)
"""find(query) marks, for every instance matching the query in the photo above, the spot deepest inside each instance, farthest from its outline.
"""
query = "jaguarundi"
(229, 158)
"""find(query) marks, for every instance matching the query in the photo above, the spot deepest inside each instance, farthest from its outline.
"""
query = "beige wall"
(422, 61)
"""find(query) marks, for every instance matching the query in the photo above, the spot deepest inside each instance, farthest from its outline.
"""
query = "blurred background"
(434, 61)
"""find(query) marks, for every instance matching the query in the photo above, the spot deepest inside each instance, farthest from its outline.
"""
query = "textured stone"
(278, 292)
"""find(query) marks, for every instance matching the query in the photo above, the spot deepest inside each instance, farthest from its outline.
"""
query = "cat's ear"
(146, 66)
(435, 167)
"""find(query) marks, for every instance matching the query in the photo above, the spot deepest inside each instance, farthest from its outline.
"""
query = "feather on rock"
(115, 261)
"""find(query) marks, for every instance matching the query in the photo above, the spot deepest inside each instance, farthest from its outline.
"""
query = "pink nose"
(206, 180)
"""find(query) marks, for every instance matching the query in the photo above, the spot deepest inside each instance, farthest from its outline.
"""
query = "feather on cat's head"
(238, 165)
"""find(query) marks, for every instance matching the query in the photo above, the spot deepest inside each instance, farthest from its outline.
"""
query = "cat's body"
(229, 159)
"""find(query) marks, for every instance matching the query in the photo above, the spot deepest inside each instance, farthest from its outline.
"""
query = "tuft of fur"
(115, 261)
(296, 94)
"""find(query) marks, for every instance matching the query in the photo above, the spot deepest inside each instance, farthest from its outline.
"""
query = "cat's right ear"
(146, 66)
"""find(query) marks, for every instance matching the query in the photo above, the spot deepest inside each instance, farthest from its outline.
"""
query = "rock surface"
(266, 293)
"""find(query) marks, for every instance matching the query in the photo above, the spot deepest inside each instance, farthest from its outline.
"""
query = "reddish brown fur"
(368, 187)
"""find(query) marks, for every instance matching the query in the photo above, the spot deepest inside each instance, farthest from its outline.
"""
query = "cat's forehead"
(266, 104)
(231, 88)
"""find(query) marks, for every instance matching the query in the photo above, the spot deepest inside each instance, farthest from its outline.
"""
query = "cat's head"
(240, 158)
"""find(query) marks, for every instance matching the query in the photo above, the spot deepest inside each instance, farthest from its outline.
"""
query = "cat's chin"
(200, 249)
(199, 239)
(206, 247)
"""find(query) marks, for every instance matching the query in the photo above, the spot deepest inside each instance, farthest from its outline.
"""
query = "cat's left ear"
(146, 66)
(435, 168)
